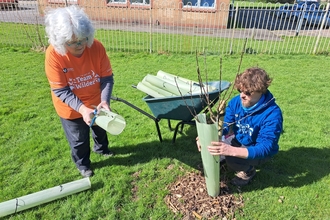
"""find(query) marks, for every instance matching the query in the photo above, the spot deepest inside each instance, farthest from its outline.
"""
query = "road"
(255, 22)
(26, 12)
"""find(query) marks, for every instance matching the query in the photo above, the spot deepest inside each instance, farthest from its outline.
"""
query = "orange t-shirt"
(81, 74)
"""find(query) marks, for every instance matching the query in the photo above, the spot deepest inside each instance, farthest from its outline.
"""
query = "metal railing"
(268, 28)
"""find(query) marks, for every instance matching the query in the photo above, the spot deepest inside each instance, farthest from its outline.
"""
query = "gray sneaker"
(86, 173)
(243, 178)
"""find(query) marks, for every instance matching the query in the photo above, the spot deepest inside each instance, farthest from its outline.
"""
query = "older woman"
(80, 77)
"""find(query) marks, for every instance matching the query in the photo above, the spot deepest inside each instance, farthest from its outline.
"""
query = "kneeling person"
(252, 126)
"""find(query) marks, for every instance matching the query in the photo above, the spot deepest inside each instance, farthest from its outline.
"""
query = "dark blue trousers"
(77, 133)
(240, 164)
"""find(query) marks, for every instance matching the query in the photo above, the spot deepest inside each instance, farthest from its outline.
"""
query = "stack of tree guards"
(168, 85)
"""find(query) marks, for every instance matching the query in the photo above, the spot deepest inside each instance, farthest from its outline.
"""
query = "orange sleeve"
(54, 69)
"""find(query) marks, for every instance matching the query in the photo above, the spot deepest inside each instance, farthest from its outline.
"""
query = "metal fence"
(265, 28)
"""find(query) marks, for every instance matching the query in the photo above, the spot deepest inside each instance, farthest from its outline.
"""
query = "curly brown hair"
(253, 79)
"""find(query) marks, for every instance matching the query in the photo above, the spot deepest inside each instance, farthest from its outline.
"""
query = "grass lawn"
(133, 184)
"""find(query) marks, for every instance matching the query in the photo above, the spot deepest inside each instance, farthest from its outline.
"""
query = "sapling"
(217, 115)
(210, 125)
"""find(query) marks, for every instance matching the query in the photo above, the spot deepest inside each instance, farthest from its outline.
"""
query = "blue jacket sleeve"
(267, 140)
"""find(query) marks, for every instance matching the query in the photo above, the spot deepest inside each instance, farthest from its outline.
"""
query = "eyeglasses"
(77, 43)
(247, 93)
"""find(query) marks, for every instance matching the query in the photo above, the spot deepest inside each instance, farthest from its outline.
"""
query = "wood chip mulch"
(188, 198)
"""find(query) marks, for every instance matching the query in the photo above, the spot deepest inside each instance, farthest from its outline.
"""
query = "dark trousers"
(78, 136)
(240, 164)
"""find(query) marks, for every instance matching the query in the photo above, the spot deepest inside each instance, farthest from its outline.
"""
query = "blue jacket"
(258, 129)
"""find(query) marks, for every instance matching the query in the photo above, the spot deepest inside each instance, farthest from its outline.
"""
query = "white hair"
(64, 23)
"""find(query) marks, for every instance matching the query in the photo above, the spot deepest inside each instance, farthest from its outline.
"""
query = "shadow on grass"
(295, 167)
(184, 149)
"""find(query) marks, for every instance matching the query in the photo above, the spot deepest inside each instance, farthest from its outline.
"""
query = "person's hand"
(219, 148)
(87, 113)
(198, 144)
(104, 105)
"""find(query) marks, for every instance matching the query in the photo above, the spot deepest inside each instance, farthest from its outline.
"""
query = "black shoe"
(86, 173)
(107, 153)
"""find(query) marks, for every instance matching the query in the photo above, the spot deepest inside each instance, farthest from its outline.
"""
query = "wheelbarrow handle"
(156, 120)
(136, 108)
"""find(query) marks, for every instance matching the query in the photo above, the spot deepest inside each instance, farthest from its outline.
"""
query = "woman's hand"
(104, 105)
(87, 113)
